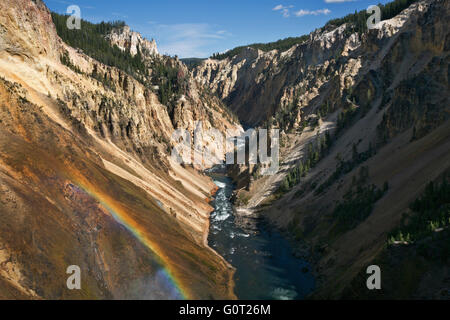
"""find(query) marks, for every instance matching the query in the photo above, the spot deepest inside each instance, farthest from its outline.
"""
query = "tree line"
(280, 45)
(357, 20)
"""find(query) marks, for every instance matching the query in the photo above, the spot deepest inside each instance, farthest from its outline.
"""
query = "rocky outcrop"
(256, 84)
(131, 41)
(97, 169)
(383, 97)
(262, 87)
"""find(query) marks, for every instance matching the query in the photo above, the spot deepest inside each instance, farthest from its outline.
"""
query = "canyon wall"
(86, 175)
(356, 110)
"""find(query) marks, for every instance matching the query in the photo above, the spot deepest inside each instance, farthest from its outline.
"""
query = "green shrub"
(430, 212)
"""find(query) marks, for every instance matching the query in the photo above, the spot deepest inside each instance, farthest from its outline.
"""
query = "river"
(265, 266)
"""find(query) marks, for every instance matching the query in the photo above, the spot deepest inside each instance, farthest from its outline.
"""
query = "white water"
(265, 267)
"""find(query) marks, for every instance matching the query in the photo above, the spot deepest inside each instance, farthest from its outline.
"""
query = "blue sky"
(198, 28)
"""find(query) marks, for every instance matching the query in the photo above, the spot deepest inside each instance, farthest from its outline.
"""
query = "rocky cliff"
(359, 111)
(86, 177)
(262, 87)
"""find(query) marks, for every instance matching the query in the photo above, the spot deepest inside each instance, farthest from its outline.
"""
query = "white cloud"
(120, 15)
(186, 39)
(285, 10)
(302, 12)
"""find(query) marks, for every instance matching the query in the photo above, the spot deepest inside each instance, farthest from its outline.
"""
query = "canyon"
(346, 103)
(87, 177)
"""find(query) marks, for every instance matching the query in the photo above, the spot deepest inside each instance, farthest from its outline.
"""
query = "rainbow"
(165, 274)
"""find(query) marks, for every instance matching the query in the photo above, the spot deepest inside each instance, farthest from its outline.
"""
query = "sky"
(199, 28)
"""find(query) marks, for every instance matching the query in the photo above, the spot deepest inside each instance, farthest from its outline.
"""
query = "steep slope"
(365, 117)
(86, 175)
(284, 88)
